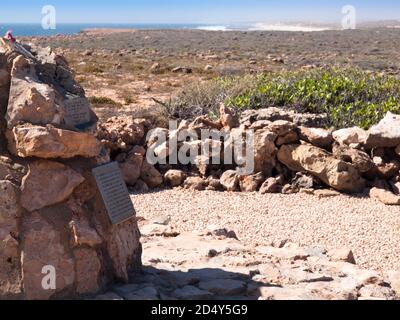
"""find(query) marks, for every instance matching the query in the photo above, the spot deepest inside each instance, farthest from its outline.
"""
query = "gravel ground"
(369, 228)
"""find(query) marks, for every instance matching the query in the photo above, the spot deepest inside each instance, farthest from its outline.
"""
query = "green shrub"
(104, 101)
(348, 96)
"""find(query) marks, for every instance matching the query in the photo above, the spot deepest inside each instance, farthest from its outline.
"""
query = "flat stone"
(377, 292)
(191, 293)
(224, 286)
(343, 254)
(148, 293)
(385, 196)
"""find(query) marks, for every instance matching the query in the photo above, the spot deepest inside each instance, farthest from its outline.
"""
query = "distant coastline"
(21, 29)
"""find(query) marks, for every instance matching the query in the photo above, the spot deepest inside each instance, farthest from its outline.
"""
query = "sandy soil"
(369, 228)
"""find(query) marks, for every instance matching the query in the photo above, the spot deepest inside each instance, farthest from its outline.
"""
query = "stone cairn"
(51, 212)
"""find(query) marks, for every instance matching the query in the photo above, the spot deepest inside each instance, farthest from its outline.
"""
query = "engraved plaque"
(76, 111)
(114, 192)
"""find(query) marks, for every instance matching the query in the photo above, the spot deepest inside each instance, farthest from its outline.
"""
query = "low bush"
(348, 96)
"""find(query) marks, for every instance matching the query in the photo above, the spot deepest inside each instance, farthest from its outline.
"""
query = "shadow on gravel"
(195, 284)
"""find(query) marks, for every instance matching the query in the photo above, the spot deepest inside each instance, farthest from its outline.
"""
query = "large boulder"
(264, 151)
(10, 264)
(50, 143)
(31, 100)
(48, 183)
(338, 174)
(44, 247)
(386, 134)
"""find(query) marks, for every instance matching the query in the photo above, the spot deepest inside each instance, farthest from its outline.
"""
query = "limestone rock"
(386, 134)
(282, 127)
(10, 266)
(228, 119)
(88, 268)
(358, 158)
(195, 183)
(174, 178)
(48, 183)
(304, 181)
(230, 180)
(43, 246)
(348, 136)
(376, 292)
(118, 133)
(271, 185)
(124, 249)
(325, 193)
(150, 175)
(394, 279)
(385, 196)
(339, 175)
(131, 168)
(191, 293)
(318, 137)
(48, 142)
(264, 152)
(83, 235)
(343, 254)
(251, 183)
(35, 103)
(228, 287)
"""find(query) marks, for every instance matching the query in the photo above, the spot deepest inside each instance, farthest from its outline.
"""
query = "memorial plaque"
(114, 192)
(76, 111)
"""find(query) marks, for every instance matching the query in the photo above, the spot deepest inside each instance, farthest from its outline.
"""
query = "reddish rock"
(49, 143)
(44, 246)
(10, 262)
(338, 174)
(48, 183)
(88, 268)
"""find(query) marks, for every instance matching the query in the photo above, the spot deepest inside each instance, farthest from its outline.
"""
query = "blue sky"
(202, 11)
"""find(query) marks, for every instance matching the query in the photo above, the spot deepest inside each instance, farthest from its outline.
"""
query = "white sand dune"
(286, 27)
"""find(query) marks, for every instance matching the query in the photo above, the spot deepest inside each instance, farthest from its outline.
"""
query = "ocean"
(67, 29)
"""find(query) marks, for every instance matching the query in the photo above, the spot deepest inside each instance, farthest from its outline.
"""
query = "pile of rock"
(292, 153)
(53, 221)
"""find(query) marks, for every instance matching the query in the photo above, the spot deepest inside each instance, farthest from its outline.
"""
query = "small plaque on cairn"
(114, 192)
(76, 111)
